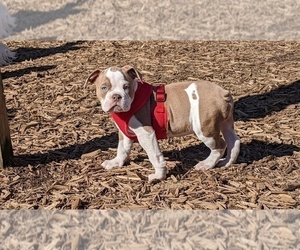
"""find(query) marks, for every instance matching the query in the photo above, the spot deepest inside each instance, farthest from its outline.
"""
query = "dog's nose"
(116, 97)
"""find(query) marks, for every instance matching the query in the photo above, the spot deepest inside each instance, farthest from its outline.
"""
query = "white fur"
(191, 91)
(215, 155)
(7, 22)
(123, 151)
(149, 143)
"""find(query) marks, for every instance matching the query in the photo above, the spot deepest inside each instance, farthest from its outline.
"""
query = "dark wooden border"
(6, 151)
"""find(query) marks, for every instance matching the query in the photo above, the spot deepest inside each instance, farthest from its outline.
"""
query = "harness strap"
(142, 94)
(160, 116)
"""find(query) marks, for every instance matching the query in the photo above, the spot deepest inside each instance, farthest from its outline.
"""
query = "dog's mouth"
(115, 106)
(117, 109)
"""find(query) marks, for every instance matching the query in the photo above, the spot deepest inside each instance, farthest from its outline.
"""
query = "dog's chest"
(148, 107)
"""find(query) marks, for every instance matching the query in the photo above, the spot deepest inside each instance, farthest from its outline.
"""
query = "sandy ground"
(144, 19)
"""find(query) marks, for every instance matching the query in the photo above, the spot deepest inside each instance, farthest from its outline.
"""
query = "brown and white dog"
(200, 107)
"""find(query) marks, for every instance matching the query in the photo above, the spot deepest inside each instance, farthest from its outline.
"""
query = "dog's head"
(115, 87)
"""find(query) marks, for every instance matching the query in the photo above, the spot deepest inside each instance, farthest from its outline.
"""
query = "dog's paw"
(114, 163)
(157, 176)
(203, 166)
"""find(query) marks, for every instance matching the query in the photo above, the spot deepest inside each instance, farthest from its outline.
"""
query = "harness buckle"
(160, 93)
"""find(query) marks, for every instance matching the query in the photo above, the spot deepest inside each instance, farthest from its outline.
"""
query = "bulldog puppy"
(198, 107)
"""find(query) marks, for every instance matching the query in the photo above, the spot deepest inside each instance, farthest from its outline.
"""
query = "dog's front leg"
(123, 151)
(147, 139)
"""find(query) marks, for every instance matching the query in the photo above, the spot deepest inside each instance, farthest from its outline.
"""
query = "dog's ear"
(132, 72)
(92, 77)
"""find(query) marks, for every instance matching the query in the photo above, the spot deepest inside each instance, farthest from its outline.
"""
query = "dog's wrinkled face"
(115, 87)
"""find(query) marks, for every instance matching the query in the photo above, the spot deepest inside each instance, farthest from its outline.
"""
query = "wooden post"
(6, 152)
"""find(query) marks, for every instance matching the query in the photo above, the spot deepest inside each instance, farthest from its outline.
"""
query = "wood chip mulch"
(60, 135)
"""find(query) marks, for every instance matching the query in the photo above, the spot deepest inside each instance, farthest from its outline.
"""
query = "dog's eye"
(126, 86)
(104, 88)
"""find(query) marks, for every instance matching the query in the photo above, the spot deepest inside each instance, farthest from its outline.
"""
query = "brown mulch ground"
(60, 135)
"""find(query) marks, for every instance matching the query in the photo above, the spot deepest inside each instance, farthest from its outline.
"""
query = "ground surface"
(60, 135)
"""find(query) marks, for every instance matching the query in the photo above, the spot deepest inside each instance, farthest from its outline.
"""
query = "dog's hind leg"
(232, 141)
(212, 139)
(217, 148)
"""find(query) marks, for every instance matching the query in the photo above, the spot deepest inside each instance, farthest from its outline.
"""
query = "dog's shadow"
(261, 105)
(250, 152)
(71, 152)
(185, 158)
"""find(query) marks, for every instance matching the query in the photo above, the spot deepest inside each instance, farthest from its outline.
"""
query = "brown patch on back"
(178, 108)
(215, 107)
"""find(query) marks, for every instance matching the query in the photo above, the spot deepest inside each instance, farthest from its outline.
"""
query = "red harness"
(159, 114)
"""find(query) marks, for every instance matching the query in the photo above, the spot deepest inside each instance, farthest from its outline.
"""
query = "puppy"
(146, 113)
